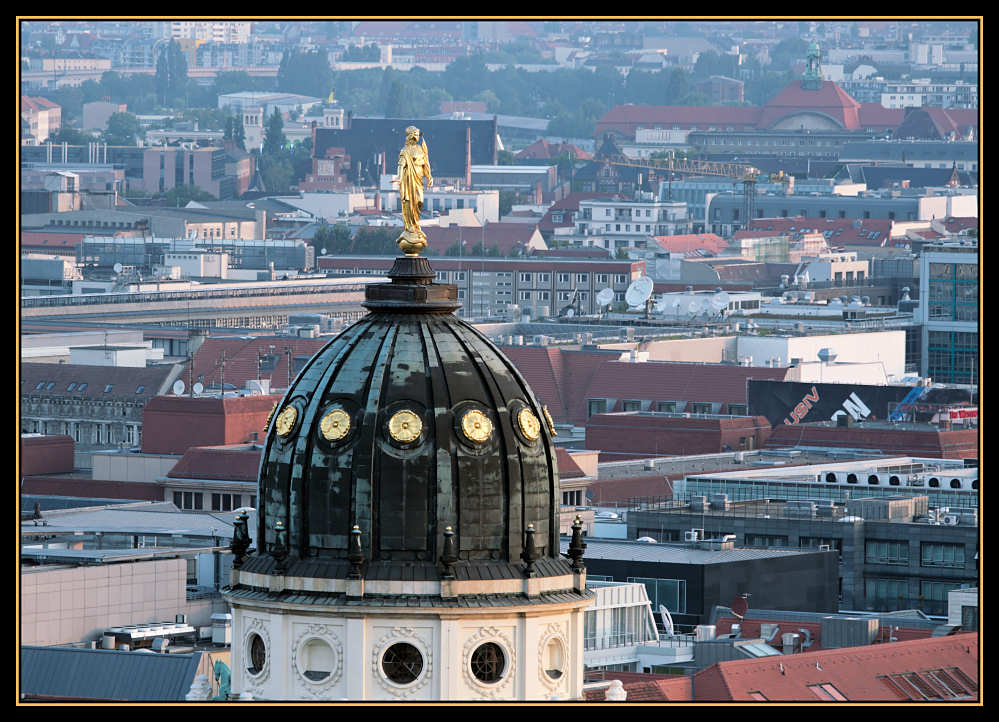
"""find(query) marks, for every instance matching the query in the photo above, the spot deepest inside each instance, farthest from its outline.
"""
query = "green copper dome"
(407, 423)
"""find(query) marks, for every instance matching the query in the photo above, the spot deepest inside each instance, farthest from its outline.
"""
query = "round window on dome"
(317, 660)
(554, 658)
(257, 654)
(488, 662)
(402, 663)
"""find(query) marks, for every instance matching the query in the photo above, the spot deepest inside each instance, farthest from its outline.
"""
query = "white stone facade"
(348, 647)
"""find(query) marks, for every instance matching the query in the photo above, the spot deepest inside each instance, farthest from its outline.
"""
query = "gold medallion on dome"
(286, 420)
(548, 418)
(405, 426)
(476, 426)
(335, 425)
(530, 427)
(267, 424)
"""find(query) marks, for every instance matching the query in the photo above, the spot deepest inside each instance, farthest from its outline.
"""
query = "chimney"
(537, 193)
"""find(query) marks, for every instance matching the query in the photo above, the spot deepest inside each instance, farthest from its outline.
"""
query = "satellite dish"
(694, 306)
(667, 620)
(178, 387)
(569, 312)
(324, 251)
(739, 606)
(719, 301)
(117, 267)
(605, 297)
(198, 388)
(639, 291)
(661, 304)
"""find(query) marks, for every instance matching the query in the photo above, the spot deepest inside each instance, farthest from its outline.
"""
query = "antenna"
(638, 292)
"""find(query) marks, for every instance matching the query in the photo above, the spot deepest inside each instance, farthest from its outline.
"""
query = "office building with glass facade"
(949, 311)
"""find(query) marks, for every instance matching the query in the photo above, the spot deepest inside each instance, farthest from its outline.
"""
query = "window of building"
(564, 277)
(402, 663)
(544, 278)
(582, 278)
(886, 552)
(941, 554)
(827, 692)
(887, 593)
(525, 277)
(700, 408)
(631, 405)
(765, 540)
(737, 409)
(596, 406)
(671, 593)
(666, 406)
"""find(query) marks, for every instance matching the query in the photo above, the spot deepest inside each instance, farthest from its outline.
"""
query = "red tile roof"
(541, 149)
(838, 231)
(831, 100)
(685, 243)
(859, 674)
(876, 116)
(627, 119)
(647, 687)
(241, 358)
(227, 463)
(508, 237)
(956, 225)
(567, 467)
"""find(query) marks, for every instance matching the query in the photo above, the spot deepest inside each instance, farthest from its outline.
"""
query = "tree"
(505, 157)
(274, 139)
(181, 195)
(123, 129)
(171, 74)
(506, 201)
(276, 172)
(72, 136)
(305, 73)
(336, 239)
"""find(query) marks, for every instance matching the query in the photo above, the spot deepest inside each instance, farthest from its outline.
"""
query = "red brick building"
(636, 434)
(46, 455)
(923, 440)
(173, 424)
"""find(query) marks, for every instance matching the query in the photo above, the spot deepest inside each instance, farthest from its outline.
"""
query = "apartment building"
(490, 286)
(621, 224)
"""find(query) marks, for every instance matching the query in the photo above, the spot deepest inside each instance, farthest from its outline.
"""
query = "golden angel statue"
(414, 166)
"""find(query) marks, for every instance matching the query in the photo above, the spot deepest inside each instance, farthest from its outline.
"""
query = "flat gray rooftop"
(673, 553)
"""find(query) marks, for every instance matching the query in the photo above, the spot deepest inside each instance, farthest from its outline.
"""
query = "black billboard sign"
(792, 402)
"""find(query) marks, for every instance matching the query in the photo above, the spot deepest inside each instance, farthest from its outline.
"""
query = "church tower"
(811, 79)
(408, 537)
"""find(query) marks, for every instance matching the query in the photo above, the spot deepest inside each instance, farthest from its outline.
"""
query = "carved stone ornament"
(476, 426)
(409, 636)
(286, 421)
(548, 418)
(552, 632)
(490, 689)
(335, 425)
(324, 632)
(530, 427)
(405, 426)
